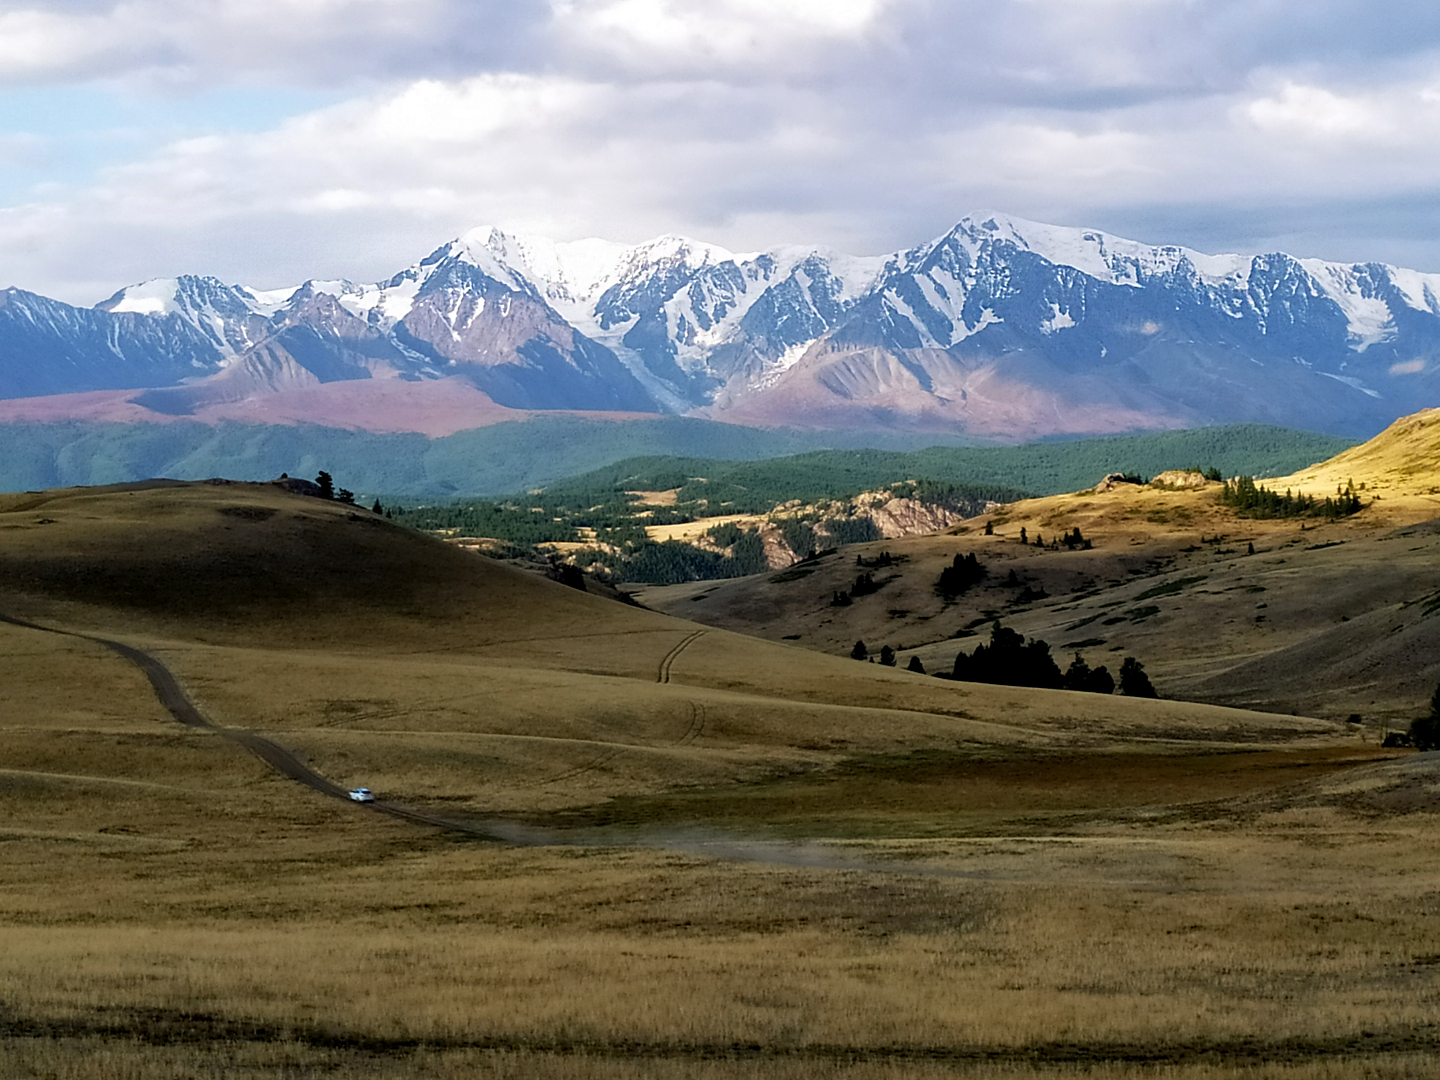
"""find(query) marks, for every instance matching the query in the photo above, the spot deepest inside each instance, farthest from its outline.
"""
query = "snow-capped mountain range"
(1001, 328)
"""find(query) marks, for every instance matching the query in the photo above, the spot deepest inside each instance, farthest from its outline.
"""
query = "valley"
(686, 849)
(1323, 617)
(668, 519)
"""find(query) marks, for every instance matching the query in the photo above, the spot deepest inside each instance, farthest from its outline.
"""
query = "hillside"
(614, 519)
(1325, 617)
(257, 575)
(678, 814)
(1398, 464)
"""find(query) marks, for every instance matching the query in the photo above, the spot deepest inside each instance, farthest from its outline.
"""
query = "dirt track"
(173, 697)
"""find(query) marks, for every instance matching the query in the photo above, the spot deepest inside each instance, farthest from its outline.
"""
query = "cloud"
(1313, 112)
(864, 124)
(204, 42)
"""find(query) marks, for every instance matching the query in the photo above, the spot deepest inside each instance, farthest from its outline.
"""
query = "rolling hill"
(663, 847)
(1320, 617)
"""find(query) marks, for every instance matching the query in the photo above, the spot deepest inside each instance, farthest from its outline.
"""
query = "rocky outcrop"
(1115, 480)
(1181, 480)
(897, 517)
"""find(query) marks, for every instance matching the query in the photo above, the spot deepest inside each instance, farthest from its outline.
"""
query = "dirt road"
(178, 704)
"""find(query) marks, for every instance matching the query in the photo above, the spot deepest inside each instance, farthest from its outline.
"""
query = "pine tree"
(887, 656)
(915, 665)
(1077, 675)
(859, 652)
(327, 485)
(1425, 730)
(1010, 660)
(1133, 680)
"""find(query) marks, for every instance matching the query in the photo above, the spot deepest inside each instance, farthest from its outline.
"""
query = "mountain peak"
(1101, 255)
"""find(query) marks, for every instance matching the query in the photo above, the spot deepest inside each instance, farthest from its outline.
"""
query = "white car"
(362, 794)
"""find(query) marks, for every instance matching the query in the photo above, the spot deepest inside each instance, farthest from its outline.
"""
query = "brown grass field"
(730, 857)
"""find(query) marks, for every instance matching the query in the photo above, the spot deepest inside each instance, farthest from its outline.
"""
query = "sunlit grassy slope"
(396, 660)
(1324, 618)
(760, 860)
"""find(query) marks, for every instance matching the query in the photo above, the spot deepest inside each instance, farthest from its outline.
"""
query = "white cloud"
(865, 124)
(210, 41)
(1317, 113)
(38, 43)
(728, 30)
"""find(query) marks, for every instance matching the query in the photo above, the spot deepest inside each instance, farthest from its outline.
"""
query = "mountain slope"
(1325, 617)
(1000, 328)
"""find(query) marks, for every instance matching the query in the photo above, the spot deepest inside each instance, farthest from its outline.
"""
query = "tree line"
(1249, 499)
(1010, 659)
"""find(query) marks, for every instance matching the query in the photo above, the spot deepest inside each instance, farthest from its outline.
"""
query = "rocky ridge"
(1001, 328)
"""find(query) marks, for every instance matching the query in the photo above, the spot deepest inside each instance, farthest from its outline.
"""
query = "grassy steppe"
(1325, 618)
(742, 858)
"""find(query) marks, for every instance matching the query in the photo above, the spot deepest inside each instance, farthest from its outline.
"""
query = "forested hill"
(514, 457)
(1046, 468)
(775, 511)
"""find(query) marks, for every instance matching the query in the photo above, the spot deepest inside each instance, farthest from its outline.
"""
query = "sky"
(269, 141)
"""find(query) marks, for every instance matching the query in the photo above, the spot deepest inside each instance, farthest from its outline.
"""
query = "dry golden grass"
(1401, 465)
(1324, 618)
(776, 863)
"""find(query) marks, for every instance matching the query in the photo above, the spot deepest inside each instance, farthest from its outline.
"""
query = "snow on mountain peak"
(576, 270)
(154, 297)
(1105, 257)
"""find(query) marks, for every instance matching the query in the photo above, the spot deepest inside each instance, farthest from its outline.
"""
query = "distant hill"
(1045, 468)
(493, 460)
(563, 452)
(1402, 462)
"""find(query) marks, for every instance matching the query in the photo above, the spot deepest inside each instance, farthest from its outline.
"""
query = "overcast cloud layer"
(265, 141)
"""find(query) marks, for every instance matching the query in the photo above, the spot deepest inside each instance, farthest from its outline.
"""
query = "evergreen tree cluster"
(799, 537)
(1249, 499)
(1425, 730)
(1012, 660)
(864, 585)
(511, 523)
(1133, 680)
(1009, 660)
(881, 561)
(850, 530)
(1081, 676)
(671, 562)
(725, 534)
(959, 576)
(887, 657)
